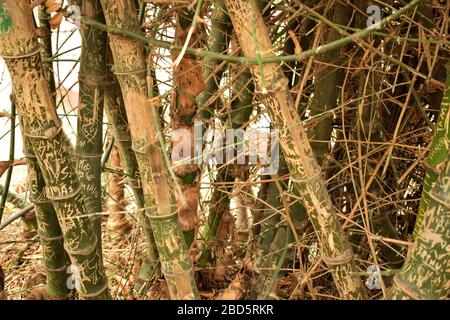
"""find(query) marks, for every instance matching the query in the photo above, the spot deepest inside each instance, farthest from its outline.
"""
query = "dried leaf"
(55, 21)
(4, 165)
(53, 8)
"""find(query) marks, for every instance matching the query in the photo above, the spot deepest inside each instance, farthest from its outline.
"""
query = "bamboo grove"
(146, 186)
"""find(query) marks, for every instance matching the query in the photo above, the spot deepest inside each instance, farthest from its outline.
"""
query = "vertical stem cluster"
(42, 127)
(273, 234)
(131, 69)
(240, 112)
(303, 167)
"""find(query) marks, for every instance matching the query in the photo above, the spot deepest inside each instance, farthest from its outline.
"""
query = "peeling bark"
(189, 83)
(117, 221)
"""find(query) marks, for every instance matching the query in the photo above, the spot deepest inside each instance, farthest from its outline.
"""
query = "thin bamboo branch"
(251, 60)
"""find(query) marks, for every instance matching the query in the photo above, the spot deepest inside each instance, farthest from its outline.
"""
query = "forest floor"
(21, 260)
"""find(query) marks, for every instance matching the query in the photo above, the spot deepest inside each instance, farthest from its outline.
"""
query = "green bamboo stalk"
(303, 167)
(20, 49)
(327, 86)
(220, 203)
(47, 53)
(220, 38)
(92, 78)
(220, 200)
(116, 114)
(55, 258)
(274, 237)
(240, 111)
(436, 156)
(426, 273)
(271, 239)
(131, 69)
(272, 262)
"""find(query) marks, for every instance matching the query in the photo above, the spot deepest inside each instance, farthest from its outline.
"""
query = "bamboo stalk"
(219, 35)
(437, 154)
(303, 167)
(220, 200)
(43, 129)
(116, 114)
(326, 87)
(131, 69)
(273, 236)
(46, 42)
(55, 258)
(426, 273)
(92, 78)
(240, 112)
